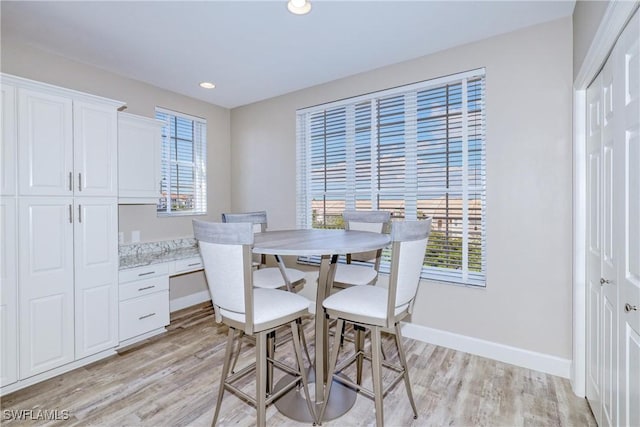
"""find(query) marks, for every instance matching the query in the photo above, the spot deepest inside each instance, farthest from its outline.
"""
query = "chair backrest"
(258, 219)
(373, 221)
(226, 253)
(409, 243)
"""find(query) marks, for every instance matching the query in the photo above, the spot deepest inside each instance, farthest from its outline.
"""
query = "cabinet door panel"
(95, 149)
(45, 143)
(139, 145)
(46, 283)
(8, 293)
(96, 275)
(8, 126)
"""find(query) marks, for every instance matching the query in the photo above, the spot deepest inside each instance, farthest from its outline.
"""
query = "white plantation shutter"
(416, 151)
(184, 164)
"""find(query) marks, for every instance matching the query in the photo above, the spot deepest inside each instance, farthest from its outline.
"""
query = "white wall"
(527, 301)
(586, 19)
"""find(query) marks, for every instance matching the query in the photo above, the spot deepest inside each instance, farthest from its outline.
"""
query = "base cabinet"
(144, 301)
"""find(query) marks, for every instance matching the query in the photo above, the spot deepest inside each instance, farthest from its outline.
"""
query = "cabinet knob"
(628, 307)
(603, 281)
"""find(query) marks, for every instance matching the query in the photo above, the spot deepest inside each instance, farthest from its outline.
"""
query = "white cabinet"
(8, 154)
(46, 283)
(8, 292)
(144, 302)
(139, 149)
(59, 230)
(66, 145)
(96, 275)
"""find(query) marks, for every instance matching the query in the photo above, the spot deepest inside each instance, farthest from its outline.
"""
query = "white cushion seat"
(271, 277)
(361, 301)
(354, 274)
(269, 305)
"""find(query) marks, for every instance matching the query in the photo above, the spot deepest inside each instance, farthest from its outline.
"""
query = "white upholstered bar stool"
(350, 274)
(226, 253)
(279, 277)
(268, 277)
(379, 309)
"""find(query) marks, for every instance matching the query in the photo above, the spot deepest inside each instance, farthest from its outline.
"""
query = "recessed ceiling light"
(207, 85)
(299, 7)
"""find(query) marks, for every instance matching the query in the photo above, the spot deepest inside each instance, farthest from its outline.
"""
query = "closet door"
(594, 246)
(610, 247)
(627, 139)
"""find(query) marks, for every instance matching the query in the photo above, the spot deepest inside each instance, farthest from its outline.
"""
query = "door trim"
(613, 22)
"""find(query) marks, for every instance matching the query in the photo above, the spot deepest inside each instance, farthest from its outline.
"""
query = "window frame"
(464, 275)
(199, 163)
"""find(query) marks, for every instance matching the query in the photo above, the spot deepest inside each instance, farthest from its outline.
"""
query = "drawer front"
(189, 264)
(143, 314)
(143, 287)
(146, 272)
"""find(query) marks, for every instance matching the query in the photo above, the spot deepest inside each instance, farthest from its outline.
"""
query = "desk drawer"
(188, 264)
(143, 314)
(153, 270)
(140, 288)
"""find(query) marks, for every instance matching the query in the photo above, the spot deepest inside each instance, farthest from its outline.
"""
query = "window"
(417, 151)
(184, 164)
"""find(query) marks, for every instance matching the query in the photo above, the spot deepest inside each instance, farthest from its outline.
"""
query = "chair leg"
(271, 348)
(304, 342)
(359, 348)
(235, 359)
(225, 373)
(296, 333)
(261, 379)
(376, 370)
(405, 374)
(333, 359)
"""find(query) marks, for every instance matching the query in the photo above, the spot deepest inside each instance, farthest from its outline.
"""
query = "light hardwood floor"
(172, 380)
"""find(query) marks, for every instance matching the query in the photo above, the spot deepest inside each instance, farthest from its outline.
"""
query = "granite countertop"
(141, 254)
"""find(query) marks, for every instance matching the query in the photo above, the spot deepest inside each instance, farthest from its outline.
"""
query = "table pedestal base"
(293, 404)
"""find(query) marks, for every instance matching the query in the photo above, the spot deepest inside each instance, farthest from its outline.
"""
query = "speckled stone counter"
(141, 254)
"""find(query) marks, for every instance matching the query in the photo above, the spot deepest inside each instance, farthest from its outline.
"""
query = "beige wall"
(586, 19)
(141, 99)
(527, 302)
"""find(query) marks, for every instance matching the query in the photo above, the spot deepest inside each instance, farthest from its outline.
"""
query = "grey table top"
(318, 242)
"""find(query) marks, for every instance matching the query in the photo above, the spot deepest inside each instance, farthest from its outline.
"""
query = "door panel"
(45, 143)
(627, 138)
(96, 275)
(8, 126)
(95, 130)
(594, 247)
(8, 292)
(46, 283)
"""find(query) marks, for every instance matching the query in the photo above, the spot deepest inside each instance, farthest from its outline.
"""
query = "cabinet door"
(95, 144)
(8, 292)
(46, 283)
(8, 127)
(96, 275)
(139, 146)
(45, 148)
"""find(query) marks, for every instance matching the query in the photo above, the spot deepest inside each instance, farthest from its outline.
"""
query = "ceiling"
(254, 50)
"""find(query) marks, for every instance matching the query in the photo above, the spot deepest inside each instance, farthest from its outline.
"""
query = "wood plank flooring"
(172, 380)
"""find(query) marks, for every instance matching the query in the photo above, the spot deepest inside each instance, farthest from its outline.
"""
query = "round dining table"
(328, 244)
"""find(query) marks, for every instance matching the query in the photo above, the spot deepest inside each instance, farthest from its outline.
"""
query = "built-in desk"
(145, 269)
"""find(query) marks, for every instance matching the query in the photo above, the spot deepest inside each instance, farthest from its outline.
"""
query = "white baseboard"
(513, 355)
(189, 300)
